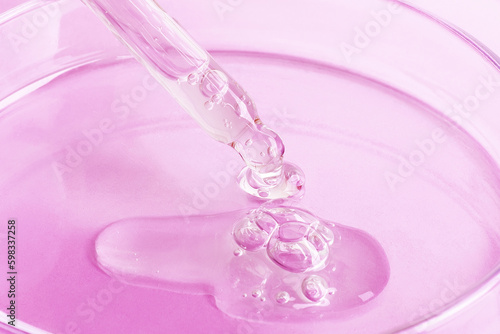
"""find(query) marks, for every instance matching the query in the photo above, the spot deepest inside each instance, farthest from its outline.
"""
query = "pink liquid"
(101, 144)
(132, 173)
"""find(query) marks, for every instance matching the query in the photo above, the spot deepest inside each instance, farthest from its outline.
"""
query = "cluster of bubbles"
(293, 239)
(213, 85)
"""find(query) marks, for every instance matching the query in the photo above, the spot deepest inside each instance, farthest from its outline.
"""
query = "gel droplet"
(256, 293)
(314, 288)
(238, 252)
(282, 297)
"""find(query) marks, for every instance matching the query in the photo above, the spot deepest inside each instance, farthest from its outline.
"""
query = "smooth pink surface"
(439, 226)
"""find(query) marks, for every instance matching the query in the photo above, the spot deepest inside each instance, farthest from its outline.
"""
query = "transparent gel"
(278, 261)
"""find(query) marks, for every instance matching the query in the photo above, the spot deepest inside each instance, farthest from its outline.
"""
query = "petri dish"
(390, 112)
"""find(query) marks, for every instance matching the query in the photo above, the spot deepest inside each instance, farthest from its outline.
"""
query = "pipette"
(208, 93)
